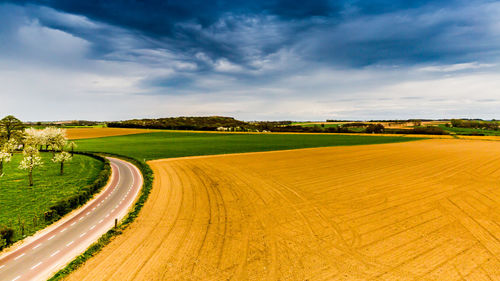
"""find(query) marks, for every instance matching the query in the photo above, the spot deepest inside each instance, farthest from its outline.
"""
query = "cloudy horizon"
(252, 60)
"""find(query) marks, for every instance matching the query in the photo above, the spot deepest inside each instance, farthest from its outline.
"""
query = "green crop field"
(178, 144)
(470, 131)
(20, 203)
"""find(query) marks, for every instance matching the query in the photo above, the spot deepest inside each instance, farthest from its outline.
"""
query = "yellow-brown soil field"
(424, 210)
(87, 133)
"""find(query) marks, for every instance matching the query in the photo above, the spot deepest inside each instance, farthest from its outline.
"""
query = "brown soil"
(87, 133)
(426, 210)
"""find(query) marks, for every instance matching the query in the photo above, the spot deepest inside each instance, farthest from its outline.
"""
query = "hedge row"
(66, 205)
(106, 238)
(6, 234)
(429, 130)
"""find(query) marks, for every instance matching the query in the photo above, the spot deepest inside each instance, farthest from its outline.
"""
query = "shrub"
(429, 130)
(49, 215)
(6, 233)
(375, 128)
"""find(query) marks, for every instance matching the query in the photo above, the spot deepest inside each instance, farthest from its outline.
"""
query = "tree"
(375, 129)
(72, 145)
(30, 160)
(4, 157)
(11, 127)
(56, 138)
(34, 137)
(6, 153)
(417, 123)
(456, 123)
(61, 158)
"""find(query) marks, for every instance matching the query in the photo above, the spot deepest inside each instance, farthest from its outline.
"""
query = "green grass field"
(470, 131)
(20, 202)
(178, 144)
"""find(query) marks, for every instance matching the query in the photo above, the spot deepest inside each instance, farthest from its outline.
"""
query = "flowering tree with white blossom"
(55, 138)
(31, 160)
(62, 157)
(6, 153)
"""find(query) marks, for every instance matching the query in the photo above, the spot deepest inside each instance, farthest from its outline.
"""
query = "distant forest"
(211, 123)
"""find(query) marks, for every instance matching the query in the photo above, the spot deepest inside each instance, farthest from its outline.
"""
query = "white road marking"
(51, 237)
(81, 219)
(20, 256)
(92, 227)
(2, 266)
(67, 245)
(81, 235)
(100, 221)
(36, 265)
(93, 208)
(55, 253)
(37, 246)
(72, 224)
(88, 213)
(16, 278)
(107, 215)
(62, 230)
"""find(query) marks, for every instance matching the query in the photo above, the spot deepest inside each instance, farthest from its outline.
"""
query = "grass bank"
(22, 207)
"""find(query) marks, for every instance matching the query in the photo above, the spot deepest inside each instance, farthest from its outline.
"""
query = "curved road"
(47, 252)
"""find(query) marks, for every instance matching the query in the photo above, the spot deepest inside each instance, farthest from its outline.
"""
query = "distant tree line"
(211, 123)
(428, 130)
(344, 128)
(219, 123)
(63, 124)
(475, 124)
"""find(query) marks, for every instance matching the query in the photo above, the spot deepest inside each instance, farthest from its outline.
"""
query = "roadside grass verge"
(158, 145)
(22, 207)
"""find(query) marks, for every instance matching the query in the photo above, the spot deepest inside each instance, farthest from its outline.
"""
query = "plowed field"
(86, 133)
(425, 210)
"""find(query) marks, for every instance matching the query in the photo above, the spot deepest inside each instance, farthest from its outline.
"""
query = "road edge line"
(146, 174)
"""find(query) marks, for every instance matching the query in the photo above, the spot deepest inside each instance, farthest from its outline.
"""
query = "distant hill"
(210, 123)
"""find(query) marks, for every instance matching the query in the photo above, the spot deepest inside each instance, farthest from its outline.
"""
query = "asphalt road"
(40, 256)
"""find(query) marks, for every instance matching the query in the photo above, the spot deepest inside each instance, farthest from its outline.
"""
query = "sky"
(252, 60)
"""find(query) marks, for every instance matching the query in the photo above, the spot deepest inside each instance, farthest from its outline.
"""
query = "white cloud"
(49, 74)
(456, 67)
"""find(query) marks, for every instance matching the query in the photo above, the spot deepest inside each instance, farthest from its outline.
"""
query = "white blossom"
(62, 157)
(34, 137)
(31, 158)
(56, 137)
(5, 156)
(10, 146)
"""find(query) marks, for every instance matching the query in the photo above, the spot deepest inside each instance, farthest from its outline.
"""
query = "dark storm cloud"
(337, 33)
(268, 59)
